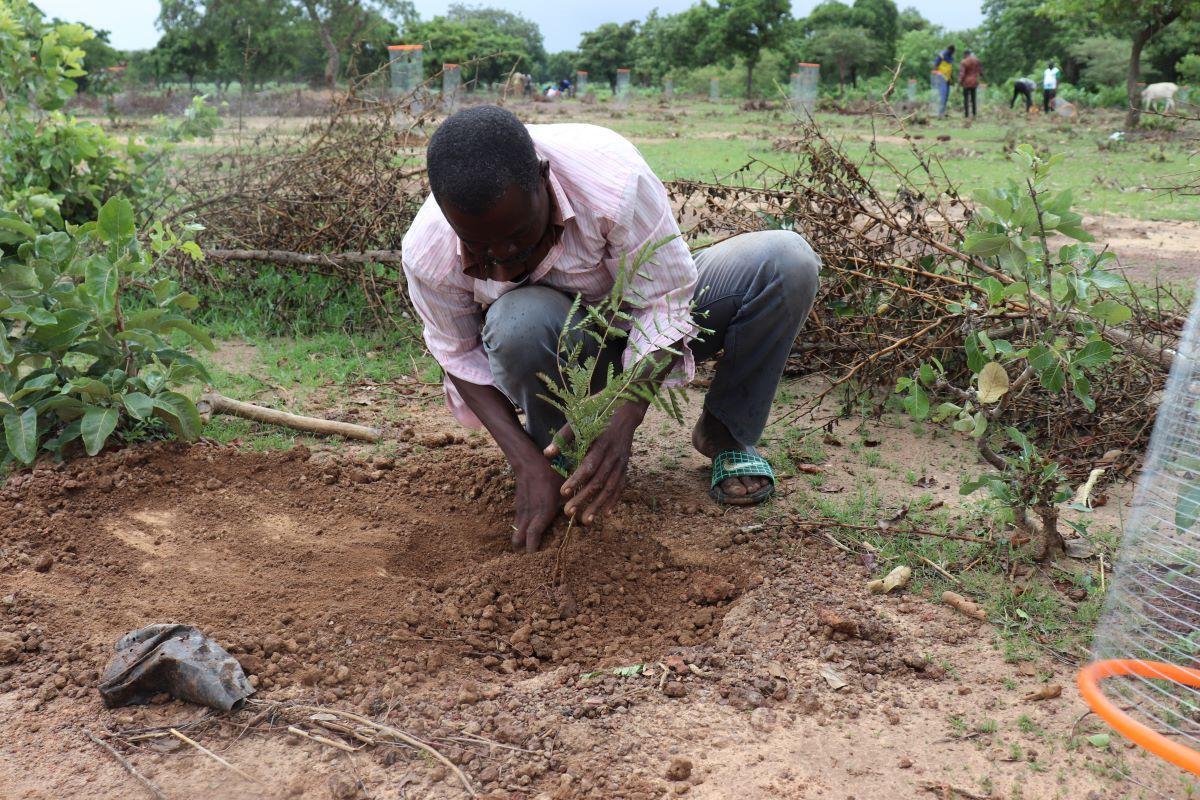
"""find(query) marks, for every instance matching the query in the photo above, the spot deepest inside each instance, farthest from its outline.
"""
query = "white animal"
(1159, 91)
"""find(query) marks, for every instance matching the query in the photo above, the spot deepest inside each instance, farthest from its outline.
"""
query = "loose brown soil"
(388, 588)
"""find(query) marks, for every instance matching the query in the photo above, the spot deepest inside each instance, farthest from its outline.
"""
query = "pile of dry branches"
(897, 285)
(897, 288)
(333, 197)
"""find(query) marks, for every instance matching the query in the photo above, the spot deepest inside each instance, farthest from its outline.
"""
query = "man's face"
(512, 237)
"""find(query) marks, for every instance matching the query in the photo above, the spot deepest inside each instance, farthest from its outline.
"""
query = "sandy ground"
(385, 586)
(1150, 252)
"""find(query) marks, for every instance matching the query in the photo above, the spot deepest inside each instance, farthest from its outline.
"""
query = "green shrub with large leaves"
(87, 336)
(1038, 328)
(54, 168)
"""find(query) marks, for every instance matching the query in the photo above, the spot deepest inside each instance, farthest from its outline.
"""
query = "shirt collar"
(560, 211)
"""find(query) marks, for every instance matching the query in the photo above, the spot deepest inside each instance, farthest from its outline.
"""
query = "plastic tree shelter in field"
(622, 87)
(714, 89)
(407, 64)
(668, 89)
(804, 83)
(581, 82)
(911, 96)
(1145, 676)
(451, 84)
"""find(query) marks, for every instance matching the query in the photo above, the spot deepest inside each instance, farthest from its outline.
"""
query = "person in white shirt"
(1049, 87)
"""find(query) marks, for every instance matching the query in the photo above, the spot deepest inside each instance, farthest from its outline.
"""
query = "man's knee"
(796, 268)
(523, 325)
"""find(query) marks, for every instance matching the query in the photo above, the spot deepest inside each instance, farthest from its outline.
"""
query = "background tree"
(503, 23)
(1103, 60)
(228, 40)
(847, 49)
(882, 19)
(1017, 38)
(556, 66)
(673, 42)
(1161, 56)
(340, 23)
(828, 14)
(910, 19)
(488, 54)
(1139, 21)
(916, 50)
(743, 28)
(606, 49)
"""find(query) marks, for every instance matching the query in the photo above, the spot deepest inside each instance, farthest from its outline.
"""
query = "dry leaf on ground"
(1047, 692)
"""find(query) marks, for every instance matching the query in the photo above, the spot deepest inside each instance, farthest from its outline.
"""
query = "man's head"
(487, 179)
(968, 53)
(950, 49)
(1050, 65)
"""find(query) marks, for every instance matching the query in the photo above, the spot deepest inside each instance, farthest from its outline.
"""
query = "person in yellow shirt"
(943, 71)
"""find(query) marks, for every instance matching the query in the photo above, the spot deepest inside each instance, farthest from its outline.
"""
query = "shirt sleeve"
(660, 295)
(452, 323)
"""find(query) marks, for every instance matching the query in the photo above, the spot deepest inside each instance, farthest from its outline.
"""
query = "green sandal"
(735, 463)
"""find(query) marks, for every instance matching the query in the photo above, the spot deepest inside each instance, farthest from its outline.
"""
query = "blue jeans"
(754, 293)
(943, 89)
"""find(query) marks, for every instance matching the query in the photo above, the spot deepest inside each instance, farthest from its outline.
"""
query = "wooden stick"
(215, 757)
(397, 734)
(322, 739)
(942, 571)
(213, 403)
(142, 779)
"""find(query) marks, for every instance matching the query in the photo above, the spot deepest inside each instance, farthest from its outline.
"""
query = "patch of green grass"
(1025, 724)
(1123, 180)
(793, 445)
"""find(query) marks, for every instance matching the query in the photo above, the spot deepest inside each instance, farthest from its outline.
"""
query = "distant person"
(1049, 87)
(943, 73)
(969, 72)
(1023, 86)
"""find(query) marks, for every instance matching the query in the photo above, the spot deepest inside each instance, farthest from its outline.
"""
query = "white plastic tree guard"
(451, 84)
(622, 87)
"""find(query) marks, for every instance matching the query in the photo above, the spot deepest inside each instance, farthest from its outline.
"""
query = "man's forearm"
(497, 414)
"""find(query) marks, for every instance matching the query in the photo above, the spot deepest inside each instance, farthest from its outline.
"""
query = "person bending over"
(1025, 87)
(521, 220)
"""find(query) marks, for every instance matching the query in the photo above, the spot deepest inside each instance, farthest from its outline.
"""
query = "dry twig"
(142, 779)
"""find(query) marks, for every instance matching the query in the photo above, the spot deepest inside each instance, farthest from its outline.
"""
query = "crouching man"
(522, 219)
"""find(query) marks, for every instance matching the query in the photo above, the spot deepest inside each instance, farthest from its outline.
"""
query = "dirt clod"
(10, 647)
(680, 769)
(708, 589)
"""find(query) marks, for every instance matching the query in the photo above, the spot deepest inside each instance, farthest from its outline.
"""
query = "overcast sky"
(131, 22)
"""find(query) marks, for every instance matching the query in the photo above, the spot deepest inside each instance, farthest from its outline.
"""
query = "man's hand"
(596, 484)
(538, 501)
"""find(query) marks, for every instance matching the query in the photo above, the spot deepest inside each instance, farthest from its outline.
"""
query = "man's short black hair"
(476, 154)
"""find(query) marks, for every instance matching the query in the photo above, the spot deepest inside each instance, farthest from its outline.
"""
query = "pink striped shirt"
(610, 204)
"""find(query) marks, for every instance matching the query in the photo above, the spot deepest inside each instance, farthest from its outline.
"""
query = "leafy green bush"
(85, 335)
(1189, 68)
(54, 168)
(1066, 291)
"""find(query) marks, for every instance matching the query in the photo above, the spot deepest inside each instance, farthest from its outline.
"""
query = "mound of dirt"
(594, 669)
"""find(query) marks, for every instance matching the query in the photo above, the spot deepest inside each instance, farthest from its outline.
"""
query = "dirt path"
(1161, 251)
(388, 588)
